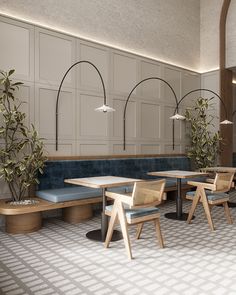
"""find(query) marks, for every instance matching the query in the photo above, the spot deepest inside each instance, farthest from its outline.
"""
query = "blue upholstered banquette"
(53, 188)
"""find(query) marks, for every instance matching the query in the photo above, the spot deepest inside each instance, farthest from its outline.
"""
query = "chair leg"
(158, 231)
(139, 230)
(227, 213)
(124, 228)
(207, 211)
(112, 222)
(194, 205)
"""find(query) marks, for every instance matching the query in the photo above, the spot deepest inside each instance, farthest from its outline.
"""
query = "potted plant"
(204, 143)
(21, 150)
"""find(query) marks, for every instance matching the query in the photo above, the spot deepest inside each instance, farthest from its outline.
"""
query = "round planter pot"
(23, 223)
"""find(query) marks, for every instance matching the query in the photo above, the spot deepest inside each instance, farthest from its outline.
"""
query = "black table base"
(96, 235)
(173, 215)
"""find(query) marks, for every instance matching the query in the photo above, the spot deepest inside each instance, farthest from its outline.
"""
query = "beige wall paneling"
(151, 148)
(125, 73)
(55, 53)
(131, 119)
(190, 81)
(150, 121)
(93, 148)
(17, 48)
(211, 81)
(91, 124)
(167, 125)
(45, 108)
(150, 90)
(168, 149)
(173, 76)
(131, 149)
(65, 148)
(88, 78)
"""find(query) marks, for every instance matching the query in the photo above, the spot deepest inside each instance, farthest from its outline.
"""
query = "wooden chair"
(136, 209)
(211, 194)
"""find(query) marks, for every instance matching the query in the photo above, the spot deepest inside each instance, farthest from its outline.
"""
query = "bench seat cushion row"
(75, 193)
(80, 192)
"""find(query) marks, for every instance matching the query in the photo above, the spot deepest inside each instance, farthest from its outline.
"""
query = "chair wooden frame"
(145, 194)
(221, 184)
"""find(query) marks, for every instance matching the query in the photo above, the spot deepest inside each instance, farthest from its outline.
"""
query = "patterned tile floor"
(59, 259)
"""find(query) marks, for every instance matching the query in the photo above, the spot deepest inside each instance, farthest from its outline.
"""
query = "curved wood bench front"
(22, 219)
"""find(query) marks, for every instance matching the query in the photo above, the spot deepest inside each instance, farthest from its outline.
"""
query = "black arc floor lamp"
(127, 100)
(104, 108)
(176, 116)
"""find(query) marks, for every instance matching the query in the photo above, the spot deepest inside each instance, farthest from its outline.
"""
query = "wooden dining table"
(102, 182)
(179, 175)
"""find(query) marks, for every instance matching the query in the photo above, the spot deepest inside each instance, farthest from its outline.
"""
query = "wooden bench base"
(77, 214)
(21, 219)
(23, 223)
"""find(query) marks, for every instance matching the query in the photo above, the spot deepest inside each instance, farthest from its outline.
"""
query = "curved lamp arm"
(226, 121)
(104, 108)
(127, 100)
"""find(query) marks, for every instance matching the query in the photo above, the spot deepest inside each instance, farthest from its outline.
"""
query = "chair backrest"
(148, 193)
(223, 181)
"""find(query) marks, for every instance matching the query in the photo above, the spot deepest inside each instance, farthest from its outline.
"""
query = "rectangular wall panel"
(46, 113)
(17, 48)
(99, 56)
(173, 77)
(90, 123)
(124, 73)
(150, 89)
(63, 149)
(55, 53)
(93, 149)
(130, 149)
(150, 149)
(150, 121)
(130, 118)
(169, 149)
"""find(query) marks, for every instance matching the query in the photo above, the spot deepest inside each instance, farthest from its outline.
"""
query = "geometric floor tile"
(59, 259)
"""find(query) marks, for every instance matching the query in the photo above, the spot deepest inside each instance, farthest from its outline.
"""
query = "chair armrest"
(127, 199)
(209, 186)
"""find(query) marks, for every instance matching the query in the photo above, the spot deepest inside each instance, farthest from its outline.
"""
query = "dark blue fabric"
(56, 171)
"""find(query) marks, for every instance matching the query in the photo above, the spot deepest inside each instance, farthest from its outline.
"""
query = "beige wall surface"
(166, 30)
(209, 34)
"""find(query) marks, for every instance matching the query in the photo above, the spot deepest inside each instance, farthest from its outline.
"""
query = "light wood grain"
(222, 184)
(105, 157)
(145, 194)
(23, 223)
(43, 205)
(102, 181)
(76, 214)
(177, 173)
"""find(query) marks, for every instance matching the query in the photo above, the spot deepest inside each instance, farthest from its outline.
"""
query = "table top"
(219, 169)
(102, 181)
(178, 173)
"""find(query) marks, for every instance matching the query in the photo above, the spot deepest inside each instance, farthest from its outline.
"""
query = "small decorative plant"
(21, 150)
(204, 143)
